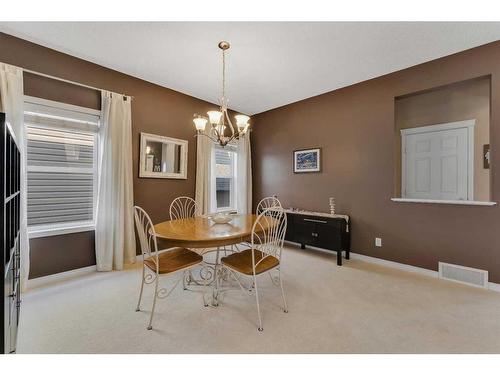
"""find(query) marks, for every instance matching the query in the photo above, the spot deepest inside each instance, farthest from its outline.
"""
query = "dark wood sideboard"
(322, 230)
(10, 159)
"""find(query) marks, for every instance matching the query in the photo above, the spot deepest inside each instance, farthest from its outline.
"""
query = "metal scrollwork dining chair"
(156, 263)
(264, 256)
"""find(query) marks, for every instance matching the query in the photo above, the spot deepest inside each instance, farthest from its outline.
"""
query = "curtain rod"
(68, 81)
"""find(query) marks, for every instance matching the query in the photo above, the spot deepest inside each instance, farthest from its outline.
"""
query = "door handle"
(317, 221)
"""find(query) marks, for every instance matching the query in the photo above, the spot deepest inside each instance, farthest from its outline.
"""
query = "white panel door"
(437, 164)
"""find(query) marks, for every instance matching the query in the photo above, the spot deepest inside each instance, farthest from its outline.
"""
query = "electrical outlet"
(378, 242)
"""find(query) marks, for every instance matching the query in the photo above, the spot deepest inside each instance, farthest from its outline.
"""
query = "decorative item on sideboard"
(332, 205)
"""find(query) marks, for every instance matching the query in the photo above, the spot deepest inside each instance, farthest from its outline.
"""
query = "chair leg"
(138, 308)
(205, 285)
(260, 328)
(184, 275)
(215, 296)
(285, 308)
(150, 327)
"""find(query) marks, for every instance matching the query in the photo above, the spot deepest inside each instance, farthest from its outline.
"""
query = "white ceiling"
(269, 64)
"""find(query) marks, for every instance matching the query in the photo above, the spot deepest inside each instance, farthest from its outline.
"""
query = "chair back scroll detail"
(267, 202)
(183, 208)
(268, 234)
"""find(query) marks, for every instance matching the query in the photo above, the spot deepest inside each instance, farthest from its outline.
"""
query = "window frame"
(213, 181)
(56, 109)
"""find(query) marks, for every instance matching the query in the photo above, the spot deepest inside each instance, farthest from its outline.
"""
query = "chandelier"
(218, 119)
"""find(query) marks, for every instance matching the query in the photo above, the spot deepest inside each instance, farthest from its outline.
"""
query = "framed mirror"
(163, 157)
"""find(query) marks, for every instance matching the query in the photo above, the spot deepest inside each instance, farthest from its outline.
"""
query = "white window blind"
(61, 161)
(223, 179)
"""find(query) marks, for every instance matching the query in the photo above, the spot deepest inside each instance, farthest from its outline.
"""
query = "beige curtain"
(114, 234)
(204, 147)
(244, 175)
(11, 103)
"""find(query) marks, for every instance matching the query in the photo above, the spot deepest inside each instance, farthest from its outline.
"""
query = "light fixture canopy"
(218, 119)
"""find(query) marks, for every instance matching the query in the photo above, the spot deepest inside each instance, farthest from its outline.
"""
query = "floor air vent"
(464, 275)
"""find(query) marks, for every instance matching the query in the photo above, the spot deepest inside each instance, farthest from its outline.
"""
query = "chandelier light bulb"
(200, 123)
(242, 122)
(214, 117)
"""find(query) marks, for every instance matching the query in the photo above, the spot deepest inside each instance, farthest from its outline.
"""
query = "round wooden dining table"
(203, 232)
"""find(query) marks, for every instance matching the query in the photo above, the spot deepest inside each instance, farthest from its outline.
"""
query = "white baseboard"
(400, 266)
(59, 277)
(494, 287)
(406, 267)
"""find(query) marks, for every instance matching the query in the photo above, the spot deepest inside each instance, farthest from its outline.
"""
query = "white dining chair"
(264, 256)
(183, 208)
(155, 263)
(264, 203)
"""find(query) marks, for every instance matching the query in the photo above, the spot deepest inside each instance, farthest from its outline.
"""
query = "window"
(223, 179)
(61, 167)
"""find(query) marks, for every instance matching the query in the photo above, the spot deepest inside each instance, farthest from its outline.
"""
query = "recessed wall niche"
(442, 140)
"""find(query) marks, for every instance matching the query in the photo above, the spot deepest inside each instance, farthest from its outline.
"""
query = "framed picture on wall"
(305, 161)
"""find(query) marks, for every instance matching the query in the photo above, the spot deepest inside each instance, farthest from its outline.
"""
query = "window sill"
(226, 211)
(56, 231)
(463, 203)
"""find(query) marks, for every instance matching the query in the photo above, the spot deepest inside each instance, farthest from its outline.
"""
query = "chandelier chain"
(223, 74)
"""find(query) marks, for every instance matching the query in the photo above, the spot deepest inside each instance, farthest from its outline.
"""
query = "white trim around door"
(469, 125)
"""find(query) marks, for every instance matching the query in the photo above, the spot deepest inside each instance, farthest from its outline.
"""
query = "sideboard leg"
(339, 258)
(348, 254)
(302, 246)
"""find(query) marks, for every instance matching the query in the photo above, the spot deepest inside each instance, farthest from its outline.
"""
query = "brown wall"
(354, 126)
(54, 254)
(155, 110)
(457, 102)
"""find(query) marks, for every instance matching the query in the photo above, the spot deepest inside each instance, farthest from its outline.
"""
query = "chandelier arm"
(226, 114)
(217, 133)
(206, 135)
(231, 139)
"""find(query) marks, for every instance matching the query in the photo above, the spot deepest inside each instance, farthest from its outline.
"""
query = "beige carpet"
(356, 308)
